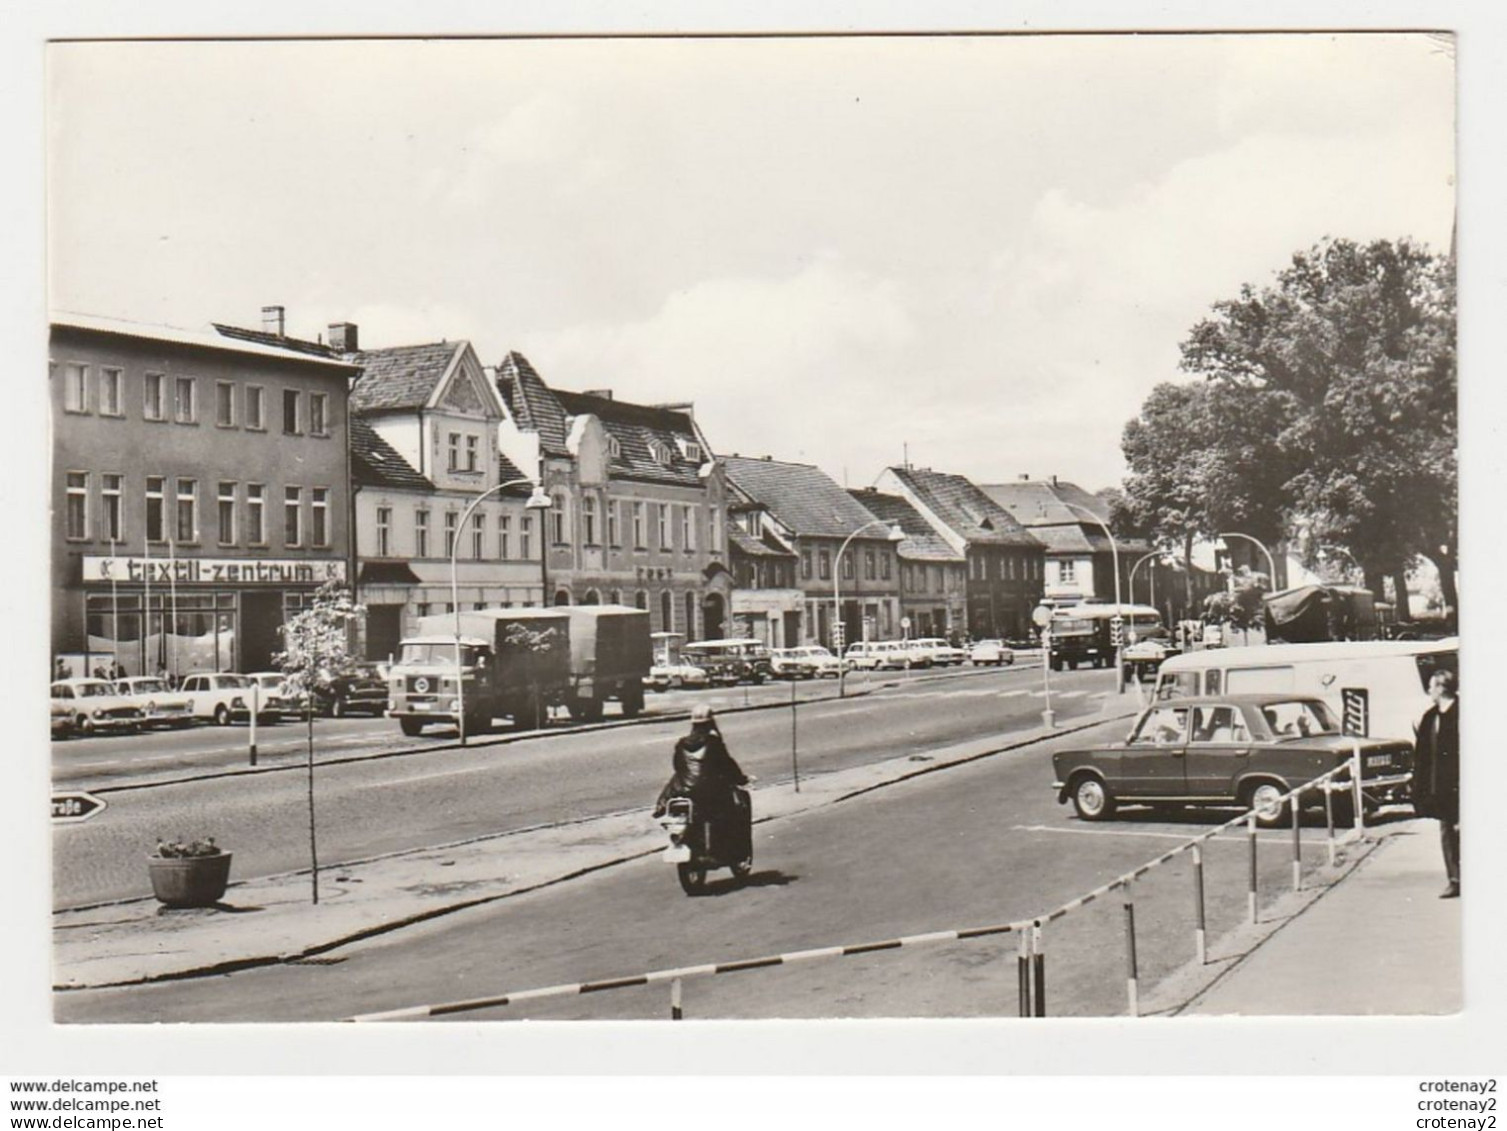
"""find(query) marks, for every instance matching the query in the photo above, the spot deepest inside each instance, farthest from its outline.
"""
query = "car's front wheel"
(222, 715)
(1265, 798)
(1092, 800)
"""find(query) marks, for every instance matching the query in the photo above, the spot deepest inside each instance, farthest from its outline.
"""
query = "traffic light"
(1117, 631)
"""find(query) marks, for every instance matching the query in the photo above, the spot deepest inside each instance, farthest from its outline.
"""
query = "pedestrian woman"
(1436, 772)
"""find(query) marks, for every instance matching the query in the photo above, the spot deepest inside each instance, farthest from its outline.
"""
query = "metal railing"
(1031, 971)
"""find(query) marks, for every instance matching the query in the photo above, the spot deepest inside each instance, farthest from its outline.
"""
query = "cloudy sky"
(982, 250)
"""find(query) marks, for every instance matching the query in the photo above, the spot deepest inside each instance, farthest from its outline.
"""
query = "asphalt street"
(435, 793)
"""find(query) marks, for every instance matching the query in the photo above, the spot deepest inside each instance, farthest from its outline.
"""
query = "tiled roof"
(803, 498)
(376, 463)
(966, 510)
(507, 471)
(1039, 506)
(754, 547)
(634, 427)
(921, 543)
(532, 404)
(402, 377)
(277, 341)
(259, 347)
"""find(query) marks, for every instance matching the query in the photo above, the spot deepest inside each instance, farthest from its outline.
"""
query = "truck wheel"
(411, 727)
(633, 700)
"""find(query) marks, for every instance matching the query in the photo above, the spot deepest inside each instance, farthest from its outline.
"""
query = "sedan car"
(990, 652)
(938, 651)
(359, 689)
(1245, 750)
(159, 703)
(1143, 659)
(94, 705)
(790, 663)
(673, 676)
(274, 700)
(223, 697)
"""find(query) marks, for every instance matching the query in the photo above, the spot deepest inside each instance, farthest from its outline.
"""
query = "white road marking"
(1231, 835)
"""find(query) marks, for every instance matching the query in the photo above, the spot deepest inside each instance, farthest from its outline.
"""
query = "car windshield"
(233, 681)
(1299, 718)
(148, 685)
(436, 653)
(1161, 726)
(94, 690)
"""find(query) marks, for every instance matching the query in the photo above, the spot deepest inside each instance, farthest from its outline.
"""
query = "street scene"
(790, 540)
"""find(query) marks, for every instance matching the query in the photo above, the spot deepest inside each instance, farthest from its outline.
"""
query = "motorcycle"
(698, 845)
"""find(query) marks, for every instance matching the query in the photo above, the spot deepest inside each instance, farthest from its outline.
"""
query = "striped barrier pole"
(1250, 826)
(1329, 818)
(1360, 807)
(795, 766)
(1297, 840)
(1023, 973)
(1200, 929)
(1039, 969)
(1132, 975)
(675, 1011)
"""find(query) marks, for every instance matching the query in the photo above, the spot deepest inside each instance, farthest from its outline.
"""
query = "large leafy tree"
(1349, 361)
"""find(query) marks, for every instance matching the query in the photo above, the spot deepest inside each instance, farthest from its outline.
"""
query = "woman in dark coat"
(1436, 772)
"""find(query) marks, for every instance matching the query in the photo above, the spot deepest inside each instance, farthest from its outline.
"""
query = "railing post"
(1250, 825)
(795, 765)
(1039, 969)
(1329, 816)
(256, 706)
(1358, 796)
(1132, 975)
(1023, 972)
(1297, 840)
(675, 1011)
(1200, 929)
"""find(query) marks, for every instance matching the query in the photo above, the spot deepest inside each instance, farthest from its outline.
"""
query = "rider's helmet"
(701, 713)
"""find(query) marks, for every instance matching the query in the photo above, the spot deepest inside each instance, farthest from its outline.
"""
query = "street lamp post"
(896, 535)
(1271, 564)
(537, 500)
(1114, 550)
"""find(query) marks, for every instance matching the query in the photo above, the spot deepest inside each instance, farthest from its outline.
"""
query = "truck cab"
(422, 681)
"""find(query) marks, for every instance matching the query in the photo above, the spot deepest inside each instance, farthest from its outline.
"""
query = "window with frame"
(256, 514)
(614, 449)
(421, 534)
(612, 537)
(291, 398)
(824, 565)
(557, 519)
(638, 527)
(184, 409)
(225, 513)
(664, 525)
(473, 451)
(688, 528)
(805, 563)
(714, 522)
(224, 404)
(525, 536)
(452, 522)
(255, 400)
(384, 532)
(847, 567)
(478, 535)
(886, 563)
(75, 387)
(1067, 571)
(76, 507)
(188, 511)
(111, 387)
(319, 517)
(504, 535)
(870, 566)
(156, 493)
(589, 519)
(112, 517)
(319, 406)
(293, 516)
(452, 452)
(154, 396)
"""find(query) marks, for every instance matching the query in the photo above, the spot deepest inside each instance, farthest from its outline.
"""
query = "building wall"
(934, 595)
(1005, 583)
(869, 602)
(220, 602)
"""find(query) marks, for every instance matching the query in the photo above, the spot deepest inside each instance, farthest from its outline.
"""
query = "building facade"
(845, 557)
(767, 605)
(933, 576)
(639, 503)
(1005, 564)
(200, 485)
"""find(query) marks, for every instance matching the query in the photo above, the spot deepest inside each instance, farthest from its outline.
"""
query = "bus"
(1083, 633)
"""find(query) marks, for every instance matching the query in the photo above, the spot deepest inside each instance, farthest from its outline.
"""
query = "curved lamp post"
(1114, 550)
(538, 501)
(896, 535)
(1131, 583)
(1271, 564)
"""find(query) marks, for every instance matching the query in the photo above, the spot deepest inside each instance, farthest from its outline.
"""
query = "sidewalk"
(1378, 942)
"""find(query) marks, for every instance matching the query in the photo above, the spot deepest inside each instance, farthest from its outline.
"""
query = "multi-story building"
(639, 503)
(844, 552)
(1005, 563)
(933, 576)
(200, 489)
(767, 605)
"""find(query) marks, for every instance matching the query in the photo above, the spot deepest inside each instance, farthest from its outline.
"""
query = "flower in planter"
(175, 849)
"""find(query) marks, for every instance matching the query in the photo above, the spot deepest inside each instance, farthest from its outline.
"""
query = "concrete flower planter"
(189, 881)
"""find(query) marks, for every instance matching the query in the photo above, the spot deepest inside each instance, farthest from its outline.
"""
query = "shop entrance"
(384, 631)
(261, 617)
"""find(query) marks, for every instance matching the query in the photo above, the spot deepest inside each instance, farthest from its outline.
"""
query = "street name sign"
(69, 808)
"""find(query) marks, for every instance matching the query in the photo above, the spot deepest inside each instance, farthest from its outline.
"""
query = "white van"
(1378, 688)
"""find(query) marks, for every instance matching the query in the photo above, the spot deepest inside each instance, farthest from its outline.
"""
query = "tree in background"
(1347, 368)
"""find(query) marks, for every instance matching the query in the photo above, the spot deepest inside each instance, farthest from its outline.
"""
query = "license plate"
(1378, 761)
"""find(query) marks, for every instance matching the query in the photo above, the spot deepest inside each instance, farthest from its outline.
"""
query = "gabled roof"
(1038, 505)
(401, 377)
(277, 341)
(532, 404)
(921, 543)
(215, 338)
(635, 427)
(376, 463)
(744, 543)
(803, 498)
(967, 511)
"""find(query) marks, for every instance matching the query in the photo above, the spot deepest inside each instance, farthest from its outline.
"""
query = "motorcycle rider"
(706, 773)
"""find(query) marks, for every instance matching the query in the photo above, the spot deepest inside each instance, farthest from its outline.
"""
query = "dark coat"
(704, 771)
(1436, 764)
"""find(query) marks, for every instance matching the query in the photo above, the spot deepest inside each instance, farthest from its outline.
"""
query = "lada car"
(160, 704)
(221, 697)
(823, 664)
(993, 652)
(94, 706)
(938, 651)
(1245, 750)
(359, 688)
(863, 655)
(790, 663)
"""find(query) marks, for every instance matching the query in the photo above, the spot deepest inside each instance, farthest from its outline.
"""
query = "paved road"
(978, 844)
(427, 795)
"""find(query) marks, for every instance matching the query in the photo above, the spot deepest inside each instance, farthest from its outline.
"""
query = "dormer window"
(614, 449)
(660, 452)
(691, 450)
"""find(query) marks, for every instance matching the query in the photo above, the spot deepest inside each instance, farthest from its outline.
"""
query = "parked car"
(223, 697)
(158, 701)
(823, 663)
(62, 718)
(676, 674)
(358, 689)
(1143, 659)
(863, 655)
(1245, 750)
(94, 705)
(938, 651)
(899, 655)
(791, 663)
(990, 652)
(274, 700)
(730, 661)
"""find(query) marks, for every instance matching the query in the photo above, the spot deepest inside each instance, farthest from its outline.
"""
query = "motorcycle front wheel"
(692, 877)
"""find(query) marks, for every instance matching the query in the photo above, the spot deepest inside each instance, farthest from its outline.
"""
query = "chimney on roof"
(604, 394)
(272, 320)
(1025, 477)
(343, 337)
(1054, 481)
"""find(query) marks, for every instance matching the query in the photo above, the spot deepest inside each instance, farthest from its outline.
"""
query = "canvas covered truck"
(517, 663)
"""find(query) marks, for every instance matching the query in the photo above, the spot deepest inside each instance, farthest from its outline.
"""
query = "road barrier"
(1031, 974)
